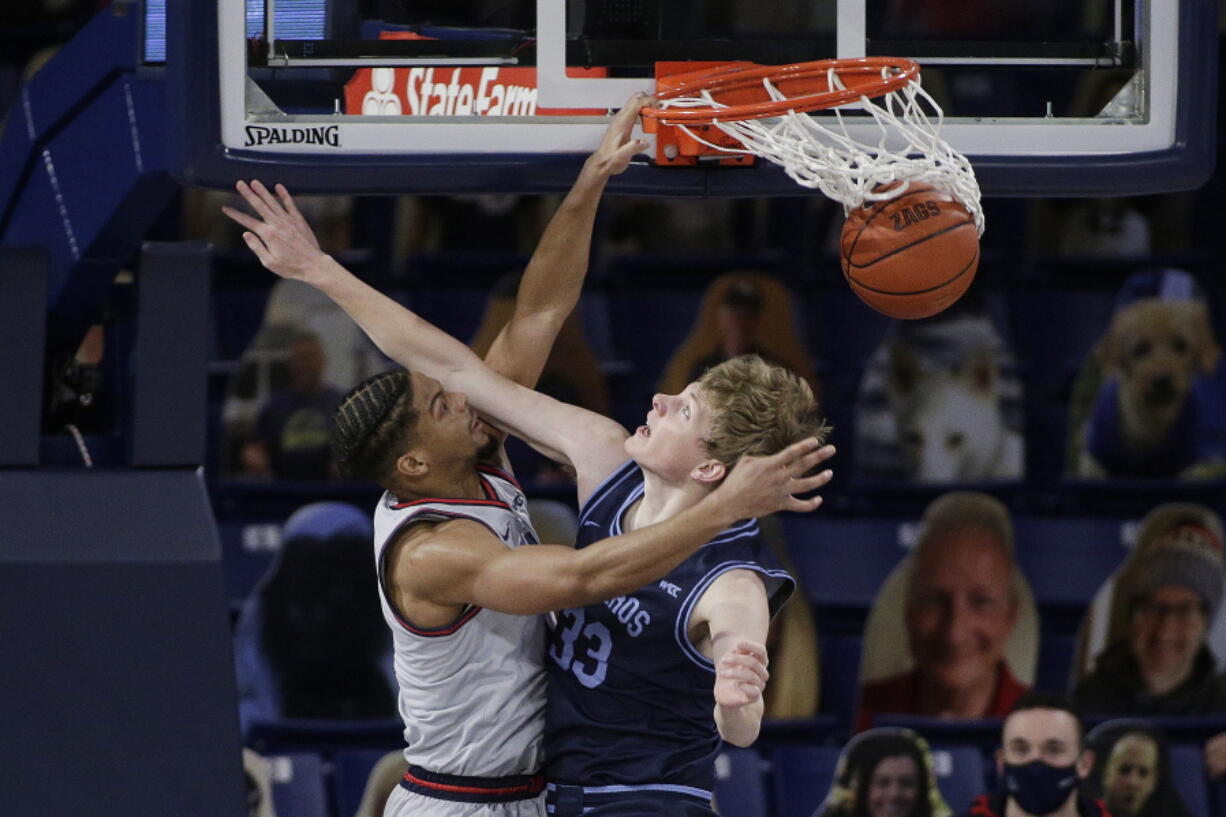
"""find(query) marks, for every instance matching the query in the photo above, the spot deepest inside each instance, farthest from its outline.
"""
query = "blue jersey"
(630, 698)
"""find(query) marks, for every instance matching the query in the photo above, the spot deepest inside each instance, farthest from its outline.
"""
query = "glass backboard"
(1073, 97)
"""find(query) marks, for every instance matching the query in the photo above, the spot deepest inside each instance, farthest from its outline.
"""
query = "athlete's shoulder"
(616, 484)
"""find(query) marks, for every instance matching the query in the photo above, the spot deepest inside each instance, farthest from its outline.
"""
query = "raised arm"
(284, 243)
(462, 563)
(553, 279)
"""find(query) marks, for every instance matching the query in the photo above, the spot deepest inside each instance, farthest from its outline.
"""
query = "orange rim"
(739, 87)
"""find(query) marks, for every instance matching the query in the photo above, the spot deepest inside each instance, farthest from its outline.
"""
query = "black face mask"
(1038, 787)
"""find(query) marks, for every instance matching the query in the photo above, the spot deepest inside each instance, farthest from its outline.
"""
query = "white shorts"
(405, 803)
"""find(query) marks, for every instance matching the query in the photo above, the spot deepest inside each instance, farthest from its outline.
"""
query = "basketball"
(912, 256)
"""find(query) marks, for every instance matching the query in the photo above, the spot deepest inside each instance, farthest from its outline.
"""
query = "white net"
(822, 154)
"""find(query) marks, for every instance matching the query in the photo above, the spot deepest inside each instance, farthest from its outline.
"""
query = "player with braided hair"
(372, 423)
(459, 591)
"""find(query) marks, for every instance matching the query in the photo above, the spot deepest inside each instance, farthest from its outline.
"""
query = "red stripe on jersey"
(536, 784)
(498, 472)
(491, 502)
(490, 493)
(440, 631)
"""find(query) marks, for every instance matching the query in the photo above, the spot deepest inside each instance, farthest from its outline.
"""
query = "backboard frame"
(1173, 150)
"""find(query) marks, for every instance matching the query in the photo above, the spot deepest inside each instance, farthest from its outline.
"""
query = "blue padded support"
(82, 164)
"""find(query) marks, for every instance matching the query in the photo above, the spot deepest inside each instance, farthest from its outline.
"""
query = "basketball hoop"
(742, 109)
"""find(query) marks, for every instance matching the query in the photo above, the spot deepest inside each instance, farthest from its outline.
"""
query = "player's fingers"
(803, 505)
(803, 485)
(630, 111)
(242, 218)
(796, 451)
(755, 661)
(257, 246)
(252, 197)
(754, 648)
(626, 152)
(270, 201)
(731, 694)
(745, 669)
(812, 459)
(624, 120)
(287, 201)
(751, 693)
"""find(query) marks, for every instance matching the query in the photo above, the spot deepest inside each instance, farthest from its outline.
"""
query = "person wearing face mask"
(1041, 764)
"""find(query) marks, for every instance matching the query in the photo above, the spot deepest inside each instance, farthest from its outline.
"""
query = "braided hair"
(373, 425)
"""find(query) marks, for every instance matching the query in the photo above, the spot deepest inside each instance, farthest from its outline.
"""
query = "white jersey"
(472, 694)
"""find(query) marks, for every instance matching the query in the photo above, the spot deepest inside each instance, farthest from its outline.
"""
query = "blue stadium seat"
(959, 771)
(299, 788)
(1217, 792)
(237, 318)
(1188, 774)
(843, 331)
(1055, 661)
(1067, 560)
(739, 786)
(813, 731)
(842, 562)
(324, 737)
(1055, 329)
(457, 311)
(351, 769)
(840, 669)
(983, 733)
(648, 325)
(248, 549)
(802, 777)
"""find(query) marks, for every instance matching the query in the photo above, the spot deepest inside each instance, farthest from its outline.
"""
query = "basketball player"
(472, 678)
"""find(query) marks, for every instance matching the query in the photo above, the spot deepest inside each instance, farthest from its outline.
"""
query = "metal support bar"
(23, 332)
(383, 62)
(170, 358)
(270, 13)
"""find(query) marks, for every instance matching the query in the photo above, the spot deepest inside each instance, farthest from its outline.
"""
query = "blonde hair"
(757, 408)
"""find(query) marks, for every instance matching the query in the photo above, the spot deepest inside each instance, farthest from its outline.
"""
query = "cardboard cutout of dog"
(1158, 409)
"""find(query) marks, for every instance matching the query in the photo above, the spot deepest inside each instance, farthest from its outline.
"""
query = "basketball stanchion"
(910, 245)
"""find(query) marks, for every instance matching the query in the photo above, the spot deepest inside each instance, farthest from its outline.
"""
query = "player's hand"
(760, 486)
(280, 237)
(617, 147)
(740, 675)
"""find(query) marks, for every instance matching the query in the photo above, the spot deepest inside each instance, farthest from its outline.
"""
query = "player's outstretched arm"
(284, 243)
(447, 569)
(553, 279)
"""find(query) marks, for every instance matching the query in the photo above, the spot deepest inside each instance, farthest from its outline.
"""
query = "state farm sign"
(452, 91)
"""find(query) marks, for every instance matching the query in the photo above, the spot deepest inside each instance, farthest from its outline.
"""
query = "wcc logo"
(324, 135)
